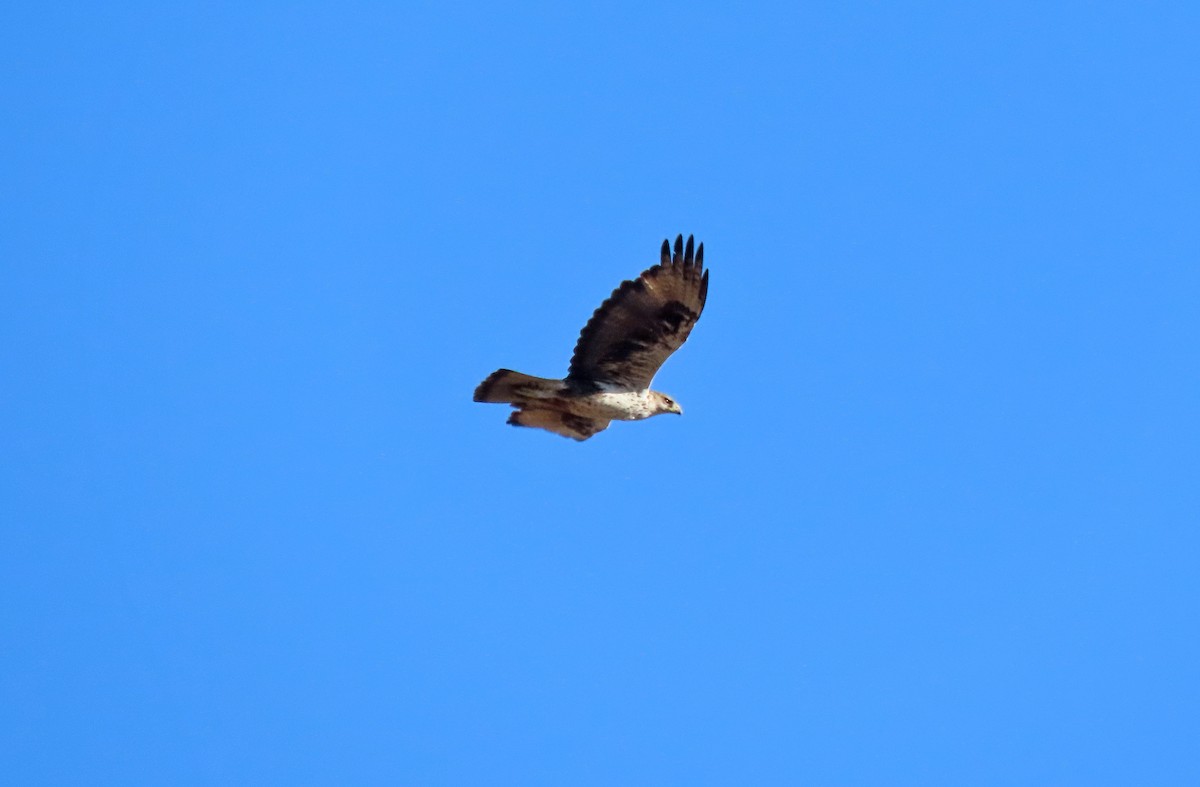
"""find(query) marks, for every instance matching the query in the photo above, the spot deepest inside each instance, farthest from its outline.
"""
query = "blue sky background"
(930, 516)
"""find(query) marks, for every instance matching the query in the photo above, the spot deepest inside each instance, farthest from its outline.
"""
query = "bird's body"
(620, 349)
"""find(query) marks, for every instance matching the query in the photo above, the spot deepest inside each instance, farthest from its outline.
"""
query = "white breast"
(615, 405)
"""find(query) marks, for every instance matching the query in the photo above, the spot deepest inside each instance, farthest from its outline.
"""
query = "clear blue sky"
(931, 516)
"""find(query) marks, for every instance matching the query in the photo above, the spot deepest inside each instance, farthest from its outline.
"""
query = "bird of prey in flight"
(617, 355)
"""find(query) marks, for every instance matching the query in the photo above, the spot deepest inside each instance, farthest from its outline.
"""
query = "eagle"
(618, 353)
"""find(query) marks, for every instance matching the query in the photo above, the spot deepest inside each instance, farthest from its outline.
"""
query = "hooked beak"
(675, 408)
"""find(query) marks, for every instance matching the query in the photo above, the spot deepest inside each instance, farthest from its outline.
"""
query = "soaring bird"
(617, 355)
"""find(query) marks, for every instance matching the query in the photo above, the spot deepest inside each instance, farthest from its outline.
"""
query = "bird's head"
(665, 404)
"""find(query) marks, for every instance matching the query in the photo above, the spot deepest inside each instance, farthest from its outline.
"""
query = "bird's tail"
(507, 386)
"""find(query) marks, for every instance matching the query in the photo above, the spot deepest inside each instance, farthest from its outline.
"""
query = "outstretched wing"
(643, 321)
(574, 426)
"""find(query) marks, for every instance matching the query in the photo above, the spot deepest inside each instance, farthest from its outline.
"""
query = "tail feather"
(509, 387)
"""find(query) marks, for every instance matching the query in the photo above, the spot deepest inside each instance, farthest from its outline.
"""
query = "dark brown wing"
(643, 321)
